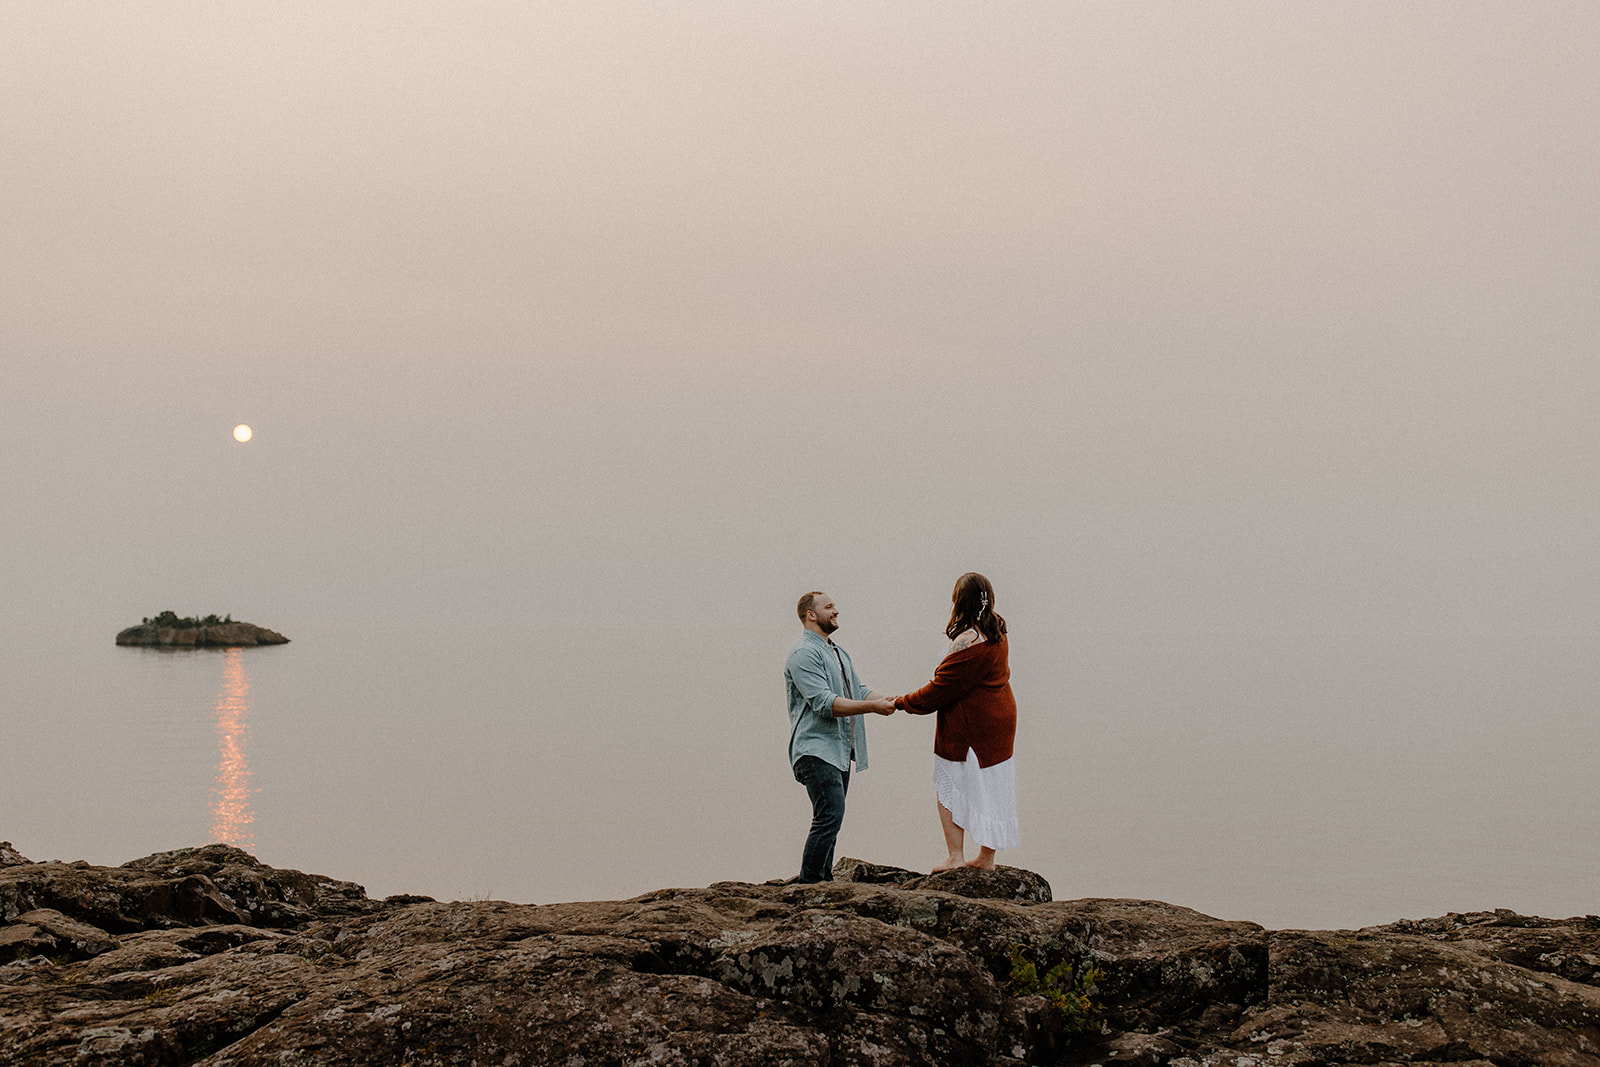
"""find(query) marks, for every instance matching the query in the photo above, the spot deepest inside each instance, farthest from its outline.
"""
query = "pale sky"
(1166, 315)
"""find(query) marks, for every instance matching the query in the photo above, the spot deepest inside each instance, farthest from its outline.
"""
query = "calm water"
(1291, 780)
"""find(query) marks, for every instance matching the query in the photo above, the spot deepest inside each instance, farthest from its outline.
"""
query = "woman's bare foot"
(984, 861)
(955, 840)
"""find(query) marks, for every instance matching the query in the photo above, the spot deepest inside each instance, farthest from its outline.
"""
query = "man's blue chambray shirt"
(814, 682)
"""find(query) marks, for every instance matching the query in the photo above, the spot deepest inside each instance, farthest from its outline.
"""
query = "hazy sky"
(1163, 314)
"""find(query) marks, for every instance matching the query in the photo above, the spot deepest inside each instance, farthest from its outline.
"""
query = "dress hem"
(981, 800)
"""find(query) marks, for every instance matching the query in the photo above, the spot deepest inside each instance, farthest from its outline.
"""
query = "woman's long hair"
(972, 608)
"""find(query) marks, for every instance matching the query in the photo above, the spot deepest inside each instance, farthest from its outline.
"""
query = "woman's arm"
(956, 676)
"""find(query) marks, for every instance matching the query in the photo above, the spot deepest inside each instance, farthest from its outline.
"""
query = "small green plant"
(1066, 987)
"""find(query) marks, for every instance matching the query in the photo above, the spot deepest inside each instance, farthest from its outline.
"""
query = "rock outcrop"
(222, 635)
(205, 956)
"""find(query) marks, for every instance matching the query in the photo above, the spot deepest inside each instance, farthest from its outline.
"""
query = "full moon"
(241, 433)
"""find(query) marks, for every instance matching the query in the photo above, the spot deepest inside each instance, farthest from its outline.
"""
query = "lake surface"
(1293, 780)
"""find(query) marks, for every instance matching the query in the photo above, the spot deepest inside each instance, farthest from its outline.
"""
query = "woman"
(977, 721)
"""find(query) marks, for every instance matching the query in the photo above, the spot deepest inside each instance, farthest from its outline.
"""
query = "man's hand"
(883, 705)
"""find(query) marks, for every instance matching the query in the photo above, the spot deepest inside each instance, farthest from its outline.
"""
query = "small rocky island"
(169, 630)
(206, 956)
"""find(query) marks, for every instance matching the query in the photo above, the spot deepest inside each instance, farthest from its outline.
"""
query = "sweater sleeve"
(956, 676)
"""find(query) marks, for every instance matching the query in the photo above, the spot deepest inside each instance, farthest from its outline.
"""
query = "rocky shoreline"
(206, 956)
(222, 635)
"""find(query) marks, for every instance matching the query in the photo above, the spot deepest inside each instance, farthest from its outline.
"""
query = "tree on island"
(170, 621)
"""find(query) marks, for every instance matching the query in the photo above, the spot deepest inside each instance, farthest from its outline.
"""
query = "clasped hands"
(883, 706)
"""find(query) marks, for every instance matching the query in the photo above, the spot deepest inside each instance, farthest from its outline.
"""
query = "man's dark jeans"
(827, 786)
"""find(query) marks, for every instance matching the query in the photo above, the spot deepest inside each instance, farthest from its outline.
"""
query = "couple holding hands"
(976, 723)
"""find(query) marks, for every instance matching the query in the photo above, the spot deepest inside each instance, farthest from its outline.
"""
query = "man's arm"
(810, 678)
(874, 701)
(875, 704)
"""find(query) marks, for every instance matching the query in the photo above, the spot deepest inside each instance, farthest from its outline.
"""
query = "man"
(826, 697)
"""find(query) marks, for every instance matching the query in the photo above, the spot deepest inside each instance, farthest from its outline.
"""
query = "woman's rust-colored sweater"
(971, 694)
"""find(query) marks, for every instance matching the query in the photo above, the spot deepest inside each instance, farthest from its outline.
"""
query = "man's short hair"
(806, 602)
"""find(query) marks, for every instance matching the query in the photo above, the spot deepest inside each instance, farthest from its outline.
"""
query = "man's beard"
(827, 626)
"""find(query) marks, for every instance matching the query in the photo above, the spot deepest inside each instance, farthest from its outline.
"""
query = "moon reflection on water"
(231, 816)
